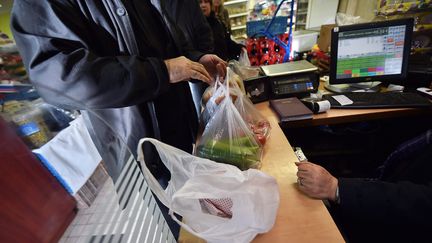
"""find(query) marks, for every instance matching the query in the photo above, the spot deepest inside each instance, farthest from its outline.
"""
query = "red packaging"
(264, 46)
(252, 47)
(254, 61)
(265, 60)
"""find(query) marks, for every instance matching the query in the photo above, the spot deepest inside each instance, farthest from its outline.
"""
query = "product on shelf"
(31, 126)
(264, 51)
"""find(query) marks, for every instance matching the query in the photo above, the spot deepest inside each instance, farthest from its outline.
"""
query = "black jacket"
(191, 20)
(224, 47)
(83, 54)
(397, 206)
(189, 17)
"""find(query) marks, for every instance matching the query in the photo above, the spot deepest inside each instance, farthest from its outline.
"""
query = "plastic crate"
(279, 26)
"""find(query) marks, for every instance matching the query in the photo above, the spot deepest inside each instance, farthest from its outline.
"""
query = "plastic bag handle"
(151, 180)
(156, 187)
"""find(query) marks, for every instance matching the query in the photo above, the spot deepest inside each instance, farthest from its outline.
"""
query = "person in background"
(222, 13)
(224, 47)
(123, 64)
(396, 206)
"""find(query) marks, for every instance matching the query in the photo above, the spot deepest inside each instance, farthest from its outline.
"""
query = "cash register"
(366, 55)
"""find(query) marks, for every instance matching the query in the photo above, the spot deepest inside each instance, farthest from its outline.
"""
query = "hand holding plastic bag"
(214, 95)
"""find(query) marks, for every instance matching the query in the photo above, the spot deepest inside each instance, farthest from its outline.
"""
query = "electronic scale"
(289, 79)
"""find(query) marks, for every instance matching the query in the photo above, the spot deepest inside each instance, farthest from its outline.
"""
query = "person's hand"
(315, 181)
(182, 69)
(214, 65)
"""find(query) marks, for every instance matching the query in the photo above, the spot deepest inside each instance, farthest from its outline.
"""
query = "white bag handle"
(154, 184)
(151, 180)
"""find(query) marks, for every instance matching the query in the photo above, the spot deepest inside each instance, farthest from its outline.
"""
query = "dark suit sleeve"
(383, 202)
(58, 52)
(234, 49)
(403, 197)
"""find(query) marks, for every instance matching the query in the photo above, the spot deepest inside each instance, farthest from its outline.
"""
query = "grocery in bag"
(213, 95)
(227, 138)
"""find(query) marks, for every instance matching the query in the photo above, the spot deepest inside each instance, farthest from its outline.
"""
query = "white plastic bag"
(252, 197)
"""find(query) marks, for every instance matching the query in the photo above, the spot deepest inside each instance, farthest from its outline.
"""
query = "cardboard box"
(324, 39)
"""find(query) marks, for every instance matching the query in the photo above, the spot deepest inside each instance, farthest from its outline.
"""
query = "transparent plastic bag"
(256, 122)
(214, 95)
(210, 101)
(243, 68)
(244, 59)
(227, 138)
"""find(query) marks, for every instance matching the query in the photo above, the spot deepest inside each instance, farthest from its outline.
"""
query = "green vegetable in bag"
(241, 153)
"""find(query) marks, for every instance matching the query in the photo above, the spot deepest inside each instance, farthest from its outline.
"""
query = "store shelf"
(238, 27)
(235, 2)
(238, 15)
(240, 37)
(302, 12)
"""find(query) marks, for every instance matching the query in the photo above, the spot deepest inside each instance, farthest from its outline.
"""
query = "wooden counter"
(300, 218)
(339, 116)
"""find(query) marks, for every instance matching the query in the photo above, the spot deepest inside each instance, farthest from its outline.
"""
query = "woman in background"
(224, 47)
(222, 13)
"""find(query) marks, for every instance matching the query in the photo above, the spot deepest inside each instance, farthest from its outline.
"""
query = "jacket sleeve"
(363, 200)
(58, 51)
(404, 199)
(234, 49)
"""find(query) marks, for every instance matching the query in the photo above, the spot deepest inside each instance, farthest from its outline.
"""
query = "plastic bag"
(227, 138)
(256, 122)
(198, 187)
(214, 95)
(210, 101)
(346, 19)
(243, 68)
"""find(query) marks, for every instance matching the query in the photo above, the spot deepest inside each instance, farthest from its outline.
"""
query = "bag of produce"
(210, 101)
(214, 94)
(257, 123)
(227, 138)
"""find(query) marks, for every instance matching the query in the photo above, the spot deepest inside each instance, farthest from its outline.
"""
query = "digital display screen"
(370, 52)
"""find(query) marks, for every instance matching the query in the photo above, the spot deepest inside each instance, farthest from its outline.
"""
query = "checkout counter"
(299, 218)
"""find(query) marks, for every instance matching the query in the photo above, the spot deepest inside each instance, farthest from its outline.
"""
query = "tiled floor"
(91, 221)
(125, 212)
